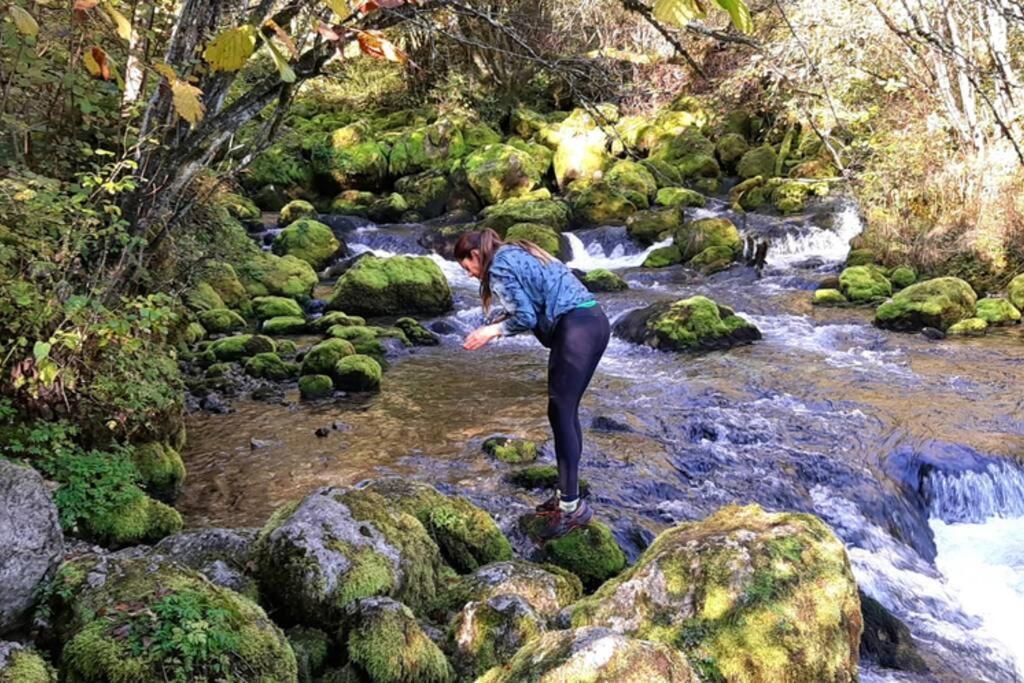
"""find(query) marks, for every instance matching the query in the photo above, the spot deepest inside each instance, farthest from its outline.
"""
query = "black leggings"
(579, 340)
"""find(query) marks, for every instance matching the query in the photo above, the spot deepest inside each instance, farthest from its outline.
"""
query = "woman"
(537, 293)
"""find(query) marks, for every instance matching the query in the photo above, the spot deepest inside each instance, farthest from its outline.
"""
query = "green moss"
(679, 196)
(969, 327)
(322, 358)
(647, 227)
(286, 348)
(553, 213)
(26, 666)
(312, 648)
(860, 257)
(416, 333)
(426, 193)
(466, 535)
(938, 303)
(203, 297)
(713, 259)
(542, 156)
(696, 236)
(748, 195)
(759, 161)
(589, 552)
(541, 235)
(664, 173)
(631, 175)
(864, 283)
(386, 645)
(241, 346)
(348, 165)
(357, 373)
(388, 209)
(512, 451)
(312, 387)
(275, 306)
(284, 325)
(599, 203)
(663, 256)
(218, 370)
(997, 311)
(297, 210)
(329, 320)
(602, 280)
(730, 149)
(270, 366)
(1015, 292)
(240, 207)
(541, 477)
(695, 323)
(308, 240)
(353, 203)
(222, 278)
(790, 196)
(143, 520)
(499, 172)
(902, 277)
(194, 333)
(486, 634)
(426, 147)
(829, 297)
(221, 321)
(392, 286)
(161, 469)
(286, 276)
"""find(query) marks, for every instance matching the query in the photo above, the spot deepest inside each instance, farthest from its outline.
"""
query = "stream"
(910, 449)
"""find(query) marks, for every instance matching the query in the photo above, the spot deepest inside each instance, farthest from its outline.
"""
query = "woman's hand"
(479, 337)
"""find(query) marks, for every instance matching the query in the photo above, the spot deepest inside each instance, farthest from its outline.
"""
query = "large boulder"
(424, 148)
(998, 311)
(286, 276)
(582, 156)
(161, 469)
(546, 589)
(489, 633)
(541, 235)
(746, 594)
(31, 542)
(425, 193)
(694, 324)
(309, 240)
(1015, 292)
(138, 620)
(600, 203)
(651, 225)
(939, 303)
(593, 654)
(864, 283)
(266, 307)
(19, 664)
(697, 236)
(759, 161)
(633, 176)
(467, 536)
(352, 161)
(397, 285)
(221, 555)
(317, 555)
(322, 358)
(553, 213)
(499, 172)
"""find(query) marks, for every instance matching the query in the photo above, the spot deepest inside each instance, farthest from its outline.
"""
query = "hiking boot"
(550, 505)
(559, 523)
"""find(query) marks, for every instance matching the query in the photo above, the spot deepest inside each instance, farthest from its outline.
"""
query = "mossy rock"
(388, 209)
(541, 477)
(426, 193)
(593, 654)
(139, 520)
(664, 173)
(553, 213)
(864, 284)
(750, 194)
(681, 140)
(631, 175)
(599, 203)
(996, 312)
(241, 346)
(512, 451)
(398, 285)
(385, 644)
(1015, 292)
(663, 257)
(759, 161)
(322, 358)
(221, 321)
(679, 197)
(270, 366)
(938, 303)
(332, 318)
(747, 596)
(266, 307)
(499, 172)
(694, 324)
(353, 203)
(286, 324)
(350, 165)
(286, 348)
(730, 148)
(114, 623)
(161, 469)
(652, 225)
(489, 633)
(312, 387)
(969, 327)
(287, 276)
(358, 333)
(19, 664)
(541, 235)
(902, 277)
(543, 157)
(886, 639)
(203, 297)
(713, 259)
(312, 647)
(829, 297)
(416, 333)
(422, 148)
(790, 196)
(590, 552)
(240, 207)
(308, 240)
(317, 555)
(223, 279)
(547, 589)
(696, 236)
(297, 210)
(583, 156)
(603, 280)
(357, 373)
(860, 257)
(467, 536)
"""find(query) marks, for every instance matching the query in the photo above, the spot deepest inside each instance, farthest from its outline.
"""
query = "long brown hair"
(487, 242)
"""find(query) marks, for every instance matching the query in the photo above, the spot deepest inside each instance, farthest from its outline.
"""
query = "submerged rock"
(603, 280)
(509, 450)
(746, 594)
(968, 327)
(593, 654)
(20, 664)
(694, 324)
(315, 556)
(396, 285)
(829, 297)
(935, 303)
(31, 542)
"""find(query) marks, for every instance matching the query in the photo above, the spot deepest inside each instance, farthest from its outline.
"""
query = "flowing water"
(910, 449)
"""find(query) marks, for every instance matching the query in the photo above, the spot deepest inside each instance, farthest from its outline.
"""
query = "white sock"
(569, 505)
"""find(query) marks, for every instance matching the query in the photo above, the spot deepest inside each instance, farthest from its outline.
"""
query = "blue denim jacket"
(532, 295)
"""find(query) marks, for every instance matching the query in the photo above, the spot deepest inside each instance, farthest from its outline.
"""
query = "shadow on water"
(880, 434)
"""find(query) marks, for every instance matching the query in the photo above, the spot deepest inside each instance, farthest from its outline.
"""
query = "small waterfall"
(811, 241)
(975, 495)
(594, 255)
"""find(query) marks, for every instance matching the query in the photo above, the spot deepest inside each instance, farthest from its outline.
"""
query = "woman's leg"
(579, 342)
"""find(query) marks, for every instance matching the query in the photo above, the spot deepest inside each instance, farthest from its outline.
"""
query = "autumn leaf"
(23, 21)
(287, 74)
(186, 96)
(124, 27)
(339, 7)
(374, 44)
(368, 6)
(285, 39)
(231, 49)
(678, 12)
(97, 63)
(81, 8)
